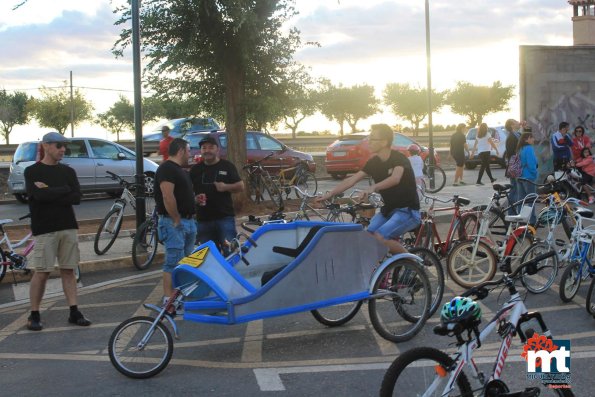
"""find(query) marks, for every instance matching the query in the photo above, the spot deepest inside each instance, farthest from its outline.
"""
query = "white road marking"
(252, 349)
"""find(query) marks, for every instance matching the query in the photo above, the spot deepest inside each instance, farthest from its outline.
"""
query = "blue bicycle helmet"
(460, 310)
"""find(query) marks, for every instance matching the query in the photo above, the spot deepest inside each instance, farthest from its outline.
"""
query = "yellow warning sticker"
(196, 259)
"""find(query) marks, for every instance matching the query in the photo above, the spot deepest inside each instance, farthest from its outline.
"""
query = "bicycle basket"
(549, 216)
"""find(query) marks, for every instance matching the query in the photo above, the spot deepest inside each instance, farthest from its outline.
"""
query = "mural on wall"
(557, 84)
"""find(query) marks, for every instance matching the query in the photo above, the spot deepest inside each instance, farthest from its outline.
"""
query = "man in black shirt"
(174, 202)
(394, 180)
(214, 180)
(52, 189)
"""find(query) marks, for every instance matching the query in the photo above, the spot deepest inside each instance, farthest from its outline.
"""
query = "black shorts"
(459, 159)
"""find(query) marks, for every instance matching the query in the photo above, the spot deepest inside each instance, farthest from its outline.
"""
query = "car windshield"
(26, 152)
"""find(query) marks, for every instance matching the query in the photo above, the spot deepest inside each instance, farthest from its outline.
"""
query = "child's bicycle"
(426, 371)
(17, 262)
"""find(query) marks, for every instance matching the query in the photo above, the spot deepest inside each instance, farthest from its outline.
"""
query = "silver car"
(90, 157)
(499, 135)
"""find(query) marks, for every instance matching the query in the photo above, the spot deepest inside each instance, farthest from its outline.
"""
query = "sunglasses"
(60, 145)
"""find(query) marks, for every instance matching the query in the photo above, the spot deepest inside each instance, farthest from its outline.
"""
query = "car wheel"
(470, 166)
(22, 197)
(338, 175)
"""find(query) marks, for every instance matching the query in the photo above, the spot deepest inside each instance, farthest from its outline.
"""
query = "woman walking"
(458, 147)
(483, 143)
(529, 169)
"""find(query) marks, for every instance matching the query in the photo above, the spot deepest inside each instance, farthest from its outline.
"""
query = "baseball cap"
(208, 139)
(51, 137)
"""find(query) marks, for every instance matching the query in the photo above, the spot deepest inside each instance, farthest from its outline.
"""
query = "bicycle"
(582, 254)
(590, 303)
(112, 222)
(145, 242)
(302, 178)
(261, 182)
(429, 371)
(17, 262)
(434, 178)
(480, 255)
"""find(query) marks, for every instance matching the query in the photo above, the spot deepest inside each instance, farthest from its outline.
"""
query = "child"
(587, 168)
(417, 164)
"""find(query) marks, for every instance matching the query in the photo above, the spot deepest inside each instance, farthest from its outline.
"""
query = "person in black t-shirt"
(214, 180)
(458, 147)
(395, 181)
(52, 189)
(174, 202)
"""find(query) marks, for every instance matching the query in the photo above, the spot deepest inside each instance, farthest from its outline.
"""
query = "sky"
(373, 42)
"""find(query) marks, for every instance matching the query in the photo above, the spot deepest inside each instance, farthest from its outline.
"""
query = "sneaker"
(494, 180)
(462, 183)
(456, 184)
(34, 324)
(78, 319)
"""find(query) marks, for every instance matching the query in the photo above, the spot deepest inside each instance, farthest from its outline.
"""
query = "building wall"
(556, 84)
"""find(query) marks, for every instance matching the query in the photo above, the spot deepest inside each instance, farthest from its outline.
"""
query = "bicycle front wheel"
(416, 372)
(334, 316)
(469, 265)
(434, 178)
(108, 231)
(591, 298)
(401, 292)
(138, 351)
(435, 274)
(570, 282)
(144, 245)
(547, 269)
(3, 266)
(307, 183)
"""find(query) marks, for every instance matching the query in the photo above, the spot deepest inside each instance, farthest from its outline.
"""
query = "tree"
(476, 101)
(53, 110)
(119, 118)
(347, 104)
(13, 111)
(218, 51)
(411, 103)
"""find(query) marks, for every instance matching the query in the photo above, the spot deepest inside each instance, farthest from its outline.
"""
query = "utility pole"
(138, 119)
(429, 84)
(71, 108)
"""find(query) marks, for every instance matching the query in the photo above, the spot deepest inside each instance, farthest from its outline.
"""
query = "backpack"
(514, 168)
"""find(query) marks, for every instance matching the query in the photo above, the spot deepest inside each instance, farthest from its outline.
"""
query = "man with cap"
(165, 142)
(214, 180)
(53, 189)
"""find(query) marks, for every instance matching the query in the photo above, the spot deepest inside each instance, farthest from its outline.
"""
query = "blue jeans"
(218, 231)
(398, 222)
(513, 196)
(178, 241)
(523, 189)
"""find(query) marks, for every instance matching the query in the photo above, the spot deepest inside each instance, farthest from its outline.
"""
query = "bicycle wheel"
(133, 358)
(435, 274)
(591, 298)
(547, 269)
(465, 228)
(467, 269)
(334, 316)
(108, 231)
(434, 178)
(271, 192)
(415, 372)
(521, 244)
(3, 267)
(307, 183)
(570, 282)
(144, 245)
(402, 291)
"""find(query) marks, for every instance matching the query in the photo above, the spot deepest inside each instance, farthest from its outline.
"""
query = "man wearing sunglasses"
(53, 189)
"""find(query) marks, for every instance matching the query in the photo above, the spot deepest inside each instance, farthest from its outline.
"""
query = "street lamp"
(138, 126)
(429, 88)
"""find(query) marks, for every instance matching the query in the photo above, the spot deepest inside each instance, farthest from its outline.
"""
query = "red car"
(349, 153)
(258, 146)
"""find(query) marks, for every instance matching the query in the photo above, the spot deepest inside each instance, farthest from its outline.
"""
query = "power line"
(62, 87)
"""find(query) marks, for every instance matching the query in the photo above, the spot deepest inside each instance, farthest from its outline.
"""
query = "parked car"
(181, 127)
(258, 145)
(349, 153)
(90, 157)
(499, 135)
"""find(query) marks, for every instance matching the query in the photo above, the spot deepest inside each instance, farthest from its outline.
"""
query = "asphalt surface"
(286, 356)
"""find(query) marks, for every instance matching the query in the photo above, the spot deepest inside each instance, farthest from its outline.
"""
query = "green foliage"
(411, 103)
(119, 118)
(300, 101)
(475, 101)
(347, 104)
(13, 111)
(53, 110)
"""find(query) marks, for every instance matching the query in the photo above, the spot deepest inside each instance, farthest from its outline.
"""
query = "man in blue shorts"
(394, 180)
(174, 201)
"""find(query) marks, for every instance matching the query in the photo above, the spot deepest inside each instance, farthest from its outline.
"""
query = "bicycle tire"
(336, 315)
(435, 275)
(112, 233)
(419, 371)
(570, 282)
(307, 183)
(274, 194)
(465, 228)
(3, 267)
(534, 282)
(439, 178)
(590, 301)
(118, 359)
(460, 263)
(396, 291)
(144, 245)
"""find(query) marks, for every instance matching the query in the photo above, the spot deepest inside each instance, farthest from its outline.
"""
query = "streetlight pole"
(138, 126)
(429, 88)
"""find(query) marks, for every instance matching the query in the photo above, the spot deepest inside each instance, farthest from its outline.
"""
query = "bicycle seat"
(584, 212)
(462, 201)
(501, 188)
(5, 221)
